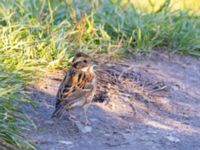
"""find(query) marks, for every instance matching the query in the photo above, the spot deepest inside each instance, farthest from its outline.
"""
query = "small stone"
(49, 122)
(151, 131)
(94, 120)
(87, 129)
(84, 129)
(66, 142)
(107, 135)
(173, 139)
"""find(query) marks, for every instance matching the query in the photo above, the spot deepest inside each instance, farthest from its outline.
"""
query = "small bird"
(78, 87)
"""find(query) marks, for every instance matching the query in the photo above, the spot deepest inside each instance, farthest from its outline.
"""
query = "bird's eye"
(85, 61)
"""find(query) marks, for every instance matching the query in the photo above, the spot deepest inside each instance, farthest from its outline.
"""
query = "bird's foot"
(86, 122)
(72, 118)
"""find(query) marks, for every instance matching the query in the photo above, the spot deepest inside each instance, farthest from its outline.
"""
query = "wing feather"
(73, 88)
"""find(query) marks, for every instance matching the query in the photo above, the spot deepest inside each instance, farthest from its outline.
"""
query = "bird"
(78, 87)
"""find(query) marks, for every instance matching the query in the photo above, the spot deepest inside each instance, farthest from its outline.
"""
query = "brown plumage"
(78, 86)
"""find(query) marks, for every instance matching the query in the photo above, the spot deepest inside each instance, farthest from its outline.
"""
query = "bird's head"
(83, 62)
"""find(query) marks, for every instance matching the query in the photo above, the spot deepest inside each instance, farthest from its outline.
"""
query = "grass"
(13, 121)
(36, 35)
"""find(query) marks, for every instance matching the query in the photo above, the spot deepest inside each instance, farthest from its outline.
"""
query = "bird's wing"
(72, 89)
(71, 86)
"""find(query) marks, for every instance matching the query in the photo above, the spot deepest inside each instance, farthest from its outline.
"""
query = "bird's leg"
(71, 117)
(86, 122)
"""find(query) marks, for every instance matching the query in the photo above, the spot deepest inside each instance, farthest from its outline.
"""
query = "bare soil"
(149, 102)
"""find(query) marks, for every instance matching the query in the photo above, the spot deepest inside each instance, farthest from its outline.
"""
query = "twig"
(159, 89)
(131, 67)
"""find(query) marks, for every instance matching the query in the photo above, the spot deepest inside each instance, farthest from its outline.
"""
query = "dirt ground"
(148, 102)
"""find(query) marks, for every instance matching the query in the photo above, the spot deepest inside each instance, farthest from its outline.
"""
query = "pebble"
(172, 139)
(94, 120)
(66, 142)
(84, 129)
(87, 129)
(151, 131)
(49, 122)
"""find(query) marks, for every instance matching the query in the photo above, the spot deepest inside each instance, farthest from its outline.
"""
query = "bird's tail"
(62, 106)
(58, 111)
